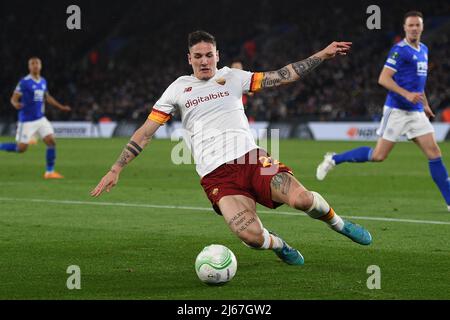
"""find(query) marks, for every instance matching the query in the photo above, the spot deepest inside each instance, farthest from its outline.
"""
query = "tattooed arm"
(300, 69)
(137, 143)
(133, 148)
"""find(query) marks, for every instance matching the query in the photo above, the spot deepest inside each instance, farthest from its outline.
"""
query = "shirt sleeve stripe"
(256, 82)
(159, 116)
(389, 67)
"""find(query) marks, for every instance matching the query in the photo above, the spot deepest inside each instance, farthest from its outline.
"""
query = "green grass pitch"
(140, 251)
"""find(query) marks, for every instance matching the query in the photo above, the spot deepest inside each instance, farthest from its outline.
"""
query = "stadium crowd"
(126, 54)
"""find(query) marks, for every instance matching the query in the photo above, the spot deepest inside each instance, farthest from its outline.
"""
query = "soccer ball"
(216, 264)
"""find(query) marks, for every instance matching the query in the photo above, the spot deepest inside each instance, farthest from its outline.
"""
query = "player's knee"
(319, 207)
(50, 140)
(22, 148)
(376, 157)
(434, 152)
(51, 143)
(303, 201)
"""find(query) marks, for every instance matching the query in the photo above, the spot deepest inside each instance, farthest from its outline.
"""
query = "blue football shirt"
(33, 97)
(411, 66)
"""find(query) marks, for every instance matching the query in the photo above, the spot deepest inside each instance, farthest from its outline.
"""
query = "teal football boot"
(356, 233)
(288, 254)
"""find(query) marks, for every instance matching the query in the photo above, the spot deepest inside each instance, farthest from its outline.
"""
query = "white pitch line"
(155, 206)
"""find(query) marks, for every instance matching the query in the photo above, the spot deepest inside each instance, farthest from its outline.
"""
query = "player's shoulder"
(183, 79)
(234, 73)
(181, 82)
(178, 86)
(24, 81)
(400, 49)
(25, 78)
(225, 70)
(423, 46)
(400, 46)
(29, 78)
(403, 45)
(228, 70)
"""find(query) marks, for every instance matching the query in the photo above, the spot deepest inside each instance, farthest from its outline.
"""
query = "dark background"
(128, 52)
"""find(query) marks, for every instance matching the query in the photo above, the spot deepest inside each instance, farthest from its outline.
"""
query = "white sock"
(336, 223)
(322, 210)
(271, 241)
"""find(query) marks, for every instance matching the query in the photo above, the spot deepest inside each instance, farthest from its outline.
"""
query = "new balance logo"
(414, 57)
(188, 89)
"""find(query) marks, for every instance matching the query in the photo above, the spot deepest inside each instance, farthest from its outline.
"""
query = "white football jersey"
(216, 129)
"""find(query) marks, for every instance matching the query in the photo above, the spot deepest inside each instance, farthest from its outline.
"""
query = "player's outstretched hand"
(336, 48)
(428, 112)
(66, 109)
(107, 183)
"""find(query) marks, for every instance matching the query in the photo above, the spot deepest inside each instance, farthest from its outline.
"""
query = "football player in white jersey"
(235, 173)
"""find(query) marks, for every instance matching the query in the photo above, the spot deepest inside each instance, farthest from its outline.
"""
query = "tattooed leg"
(286, 189)
(240, 214)
(282, 183)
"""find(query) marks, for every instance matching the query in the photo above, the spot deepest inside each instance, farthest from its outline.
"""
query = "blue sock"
(361, 154)
(51, 155)
(440, 176)
(8, 147)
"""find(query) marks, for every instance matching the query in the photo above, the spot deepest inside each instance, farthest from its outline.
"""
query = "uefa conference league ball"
(216, 264)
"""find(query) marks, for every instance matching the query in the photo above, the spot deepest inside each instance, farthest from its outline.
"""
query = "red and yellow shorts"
(249, 175)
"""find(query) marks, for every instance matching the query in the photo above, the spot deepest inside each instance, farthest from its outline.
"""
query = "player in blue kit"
(29, 99)
(406, 109)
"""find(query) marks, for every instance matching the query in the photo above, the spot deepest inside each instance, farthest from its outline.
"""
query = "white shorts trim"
(26, 130)
(398, 122)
